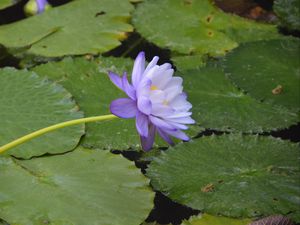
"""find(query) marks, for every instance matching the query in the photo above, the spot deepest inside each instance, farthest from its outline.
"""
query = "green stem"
(53, 128)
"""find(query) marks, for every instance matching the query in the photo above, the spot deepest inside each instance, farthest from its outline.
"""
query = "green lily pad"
(80, 187)
(288, 13)
(231, 175)
(89, 83)
(188, 62)
(206, 219)
(7, 3)
(188, 26)
(268, 71)
(218, 104)
(79, 27)
(29, 103)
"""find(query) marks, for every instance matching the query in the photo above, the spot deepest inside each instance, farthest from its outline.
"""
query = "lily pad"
(89, 84)
(188, 26)
(218, 104)
(189, 62)
(231, 175)
(288, 13)
(29, 103)
(80, 187)
(206, 219)
(79, 27)
(7, 3)
(268, 71)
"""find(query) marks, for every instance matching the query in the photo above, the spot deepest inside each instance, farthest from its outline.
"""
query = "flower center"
(153, 88)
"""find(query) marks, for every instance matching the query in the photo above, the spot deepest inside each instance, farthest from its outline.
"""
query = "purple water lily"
(41, 5)
(155, 99)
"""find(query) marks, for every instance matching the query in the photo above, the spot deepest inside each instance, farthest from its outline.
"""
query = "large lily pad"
(218, 104)
(268, 71)
(232, 175)
(189, 26)
(288, 13)
(206, 219)
(29, 103)
(6, 3)
(89, 84)
(81, 187)
(79, 27)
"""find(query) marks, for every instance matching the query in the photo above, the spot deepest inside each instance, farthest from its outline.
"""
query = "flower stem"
(45, 130)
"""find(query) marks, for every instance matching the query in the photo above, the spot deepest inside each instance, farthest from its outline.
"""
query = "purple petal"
(124, 108)
(185, 120)
(178, 134)
(151, 64)
(147, 142)
(116, 79)
(165, 136)
(143, 88)
(138, 69)
(142, 124)
(179, 115)
(41, 5)
(162, 110)
(178, 125)
(161, 123)
(129, 90)
(144, 105)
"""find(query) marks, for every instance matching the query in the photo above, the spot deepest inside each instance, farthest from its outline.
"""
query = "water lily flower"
(155, 99)
(41, 5)
(33, 7)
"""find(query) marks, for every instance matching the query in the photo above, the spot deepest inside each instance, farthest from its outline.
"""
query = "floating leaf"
(268, 71)
(217, 104)
(79, 27)
(189, 62)
(231, 175)
(29, 103)
(288, 13)
(89, 84)
(6, 3)
(80, 187)
(206, 219)
(187, 26)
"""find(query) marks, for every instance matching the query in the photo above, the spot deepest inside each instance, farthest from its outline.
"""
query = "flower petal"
(138, 69)
(41, 5)
(144, 105)
(162, 78)
(124, 108)
(143, 88)
(173, 88)
(129, 90)
(147, 142)
(178, 134)
(161, 123)
(165, 136)
(157, 96)
(185, 120)
(151, 64)
(178, 125)
(116, 79)
(178, 115)
(161, 110)
(142, 123)
(179, 103)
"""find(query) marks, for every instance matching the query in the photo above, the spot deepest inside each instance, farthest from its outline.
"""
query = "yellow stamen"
(153, 88)
(165, 102)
